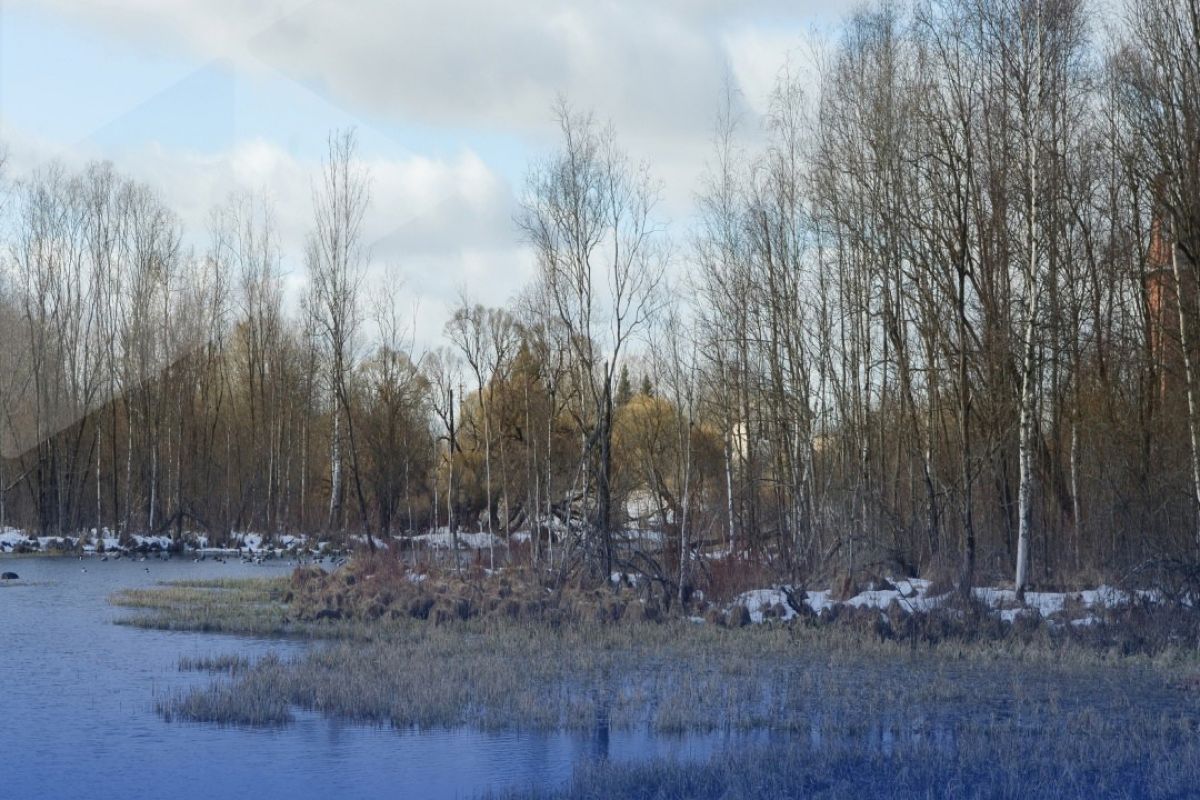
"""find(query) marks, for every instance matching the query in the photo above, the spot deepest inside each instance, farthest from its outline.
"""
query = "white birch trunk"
(1029, 359)
(1190, 379)
(335, 468)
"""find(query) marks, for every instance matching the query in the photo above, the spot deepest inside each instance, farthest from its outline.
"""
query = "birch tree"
(588, 213)
(336, 259)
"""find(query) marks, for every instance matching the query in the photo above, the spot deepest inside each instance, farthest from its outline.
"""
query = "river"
(77, 717)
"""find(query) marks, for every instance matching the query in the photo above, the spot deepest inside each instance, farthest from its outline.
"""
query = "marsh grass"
(247, 606)
(999, 762)
(676, 678)
(229, 662)
(263, 587)
(269, 709)
(1018, 711)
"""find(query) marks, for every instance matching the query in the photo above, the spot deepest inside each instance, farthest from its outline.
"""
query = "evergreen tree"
(624, 389)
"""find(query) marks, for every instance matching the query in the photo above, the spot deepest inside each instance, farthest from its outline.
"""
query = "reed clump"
(230, 663)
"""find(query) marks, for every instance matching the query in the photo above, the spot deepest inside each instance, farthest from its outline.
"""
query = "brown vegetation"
(371, 589)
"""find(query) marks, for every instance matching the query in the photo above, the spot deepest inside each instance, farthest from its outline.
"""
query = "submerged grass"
(1000, 762)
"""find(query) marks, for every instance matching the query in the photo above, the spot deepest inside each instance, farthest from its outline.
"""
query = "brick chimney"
(1163, 302)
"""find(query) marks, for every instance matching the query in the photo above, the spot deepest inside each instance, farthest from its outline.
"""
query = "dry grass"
(230, 663)
(726, 578)
(251, 606)
(380, 588)
(673, 678)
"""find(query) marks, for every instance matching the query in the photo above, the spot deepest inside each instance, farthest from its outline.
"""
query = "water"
(77, 716)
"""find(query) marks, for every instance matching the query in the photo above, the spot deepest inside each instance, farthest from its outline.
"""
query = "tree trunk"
(1190, 385)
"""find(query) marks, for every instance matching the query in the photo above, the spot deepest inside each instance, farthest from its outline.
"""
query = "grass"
(671, 678)
(230, 663)
(268, 708)
(939, 706)
(247, 606)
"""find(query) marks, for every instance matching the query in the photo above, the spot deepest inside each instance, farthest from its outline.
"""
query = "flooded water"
(77, 716)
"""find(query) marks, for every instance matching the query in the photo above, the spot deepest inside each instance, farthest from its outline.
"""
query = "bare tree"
(336, 259)
(588, 214)
(441, 370)
(486, 338)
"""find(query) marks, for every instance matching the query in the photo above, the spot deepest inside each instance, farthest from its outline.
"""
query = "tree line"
(937, 311)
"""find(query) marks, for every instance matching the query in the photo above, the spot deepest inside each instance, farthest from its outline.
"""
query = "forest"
(937, 311)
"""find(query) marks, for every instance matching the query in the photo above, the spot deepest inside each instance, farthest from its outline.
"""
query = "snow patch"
(912, 595)
(758, 601)
(443, 539)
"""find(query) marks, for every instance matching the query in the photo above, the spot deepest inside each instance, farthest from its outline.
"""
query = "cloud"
(652, 67)
(757, 56)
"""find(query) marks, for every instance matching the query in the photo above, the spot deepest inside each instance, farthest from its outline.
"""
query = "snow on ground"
(257, 543)
(911, 595)
(442, 539)
(246, 541)
(757, 601)
(874, 598)
(163, 542)
(361, 539)
(820, 601)
(13, 539)
(646, 536)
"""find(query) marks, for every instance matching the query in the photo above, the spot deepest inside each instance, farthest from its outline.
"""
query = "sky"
(451, 100)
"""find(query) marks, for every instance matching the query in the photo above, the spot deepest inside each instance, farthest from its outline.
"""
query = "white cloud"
(654, 67)
(758, 55)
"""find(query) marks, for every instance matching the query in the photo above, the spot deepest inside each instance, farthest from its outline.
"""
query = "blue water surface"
(77, 716)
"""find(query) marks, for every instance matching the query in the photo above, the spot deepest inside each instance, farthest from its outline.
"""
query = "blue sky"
(105, 95)
(451, 99)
